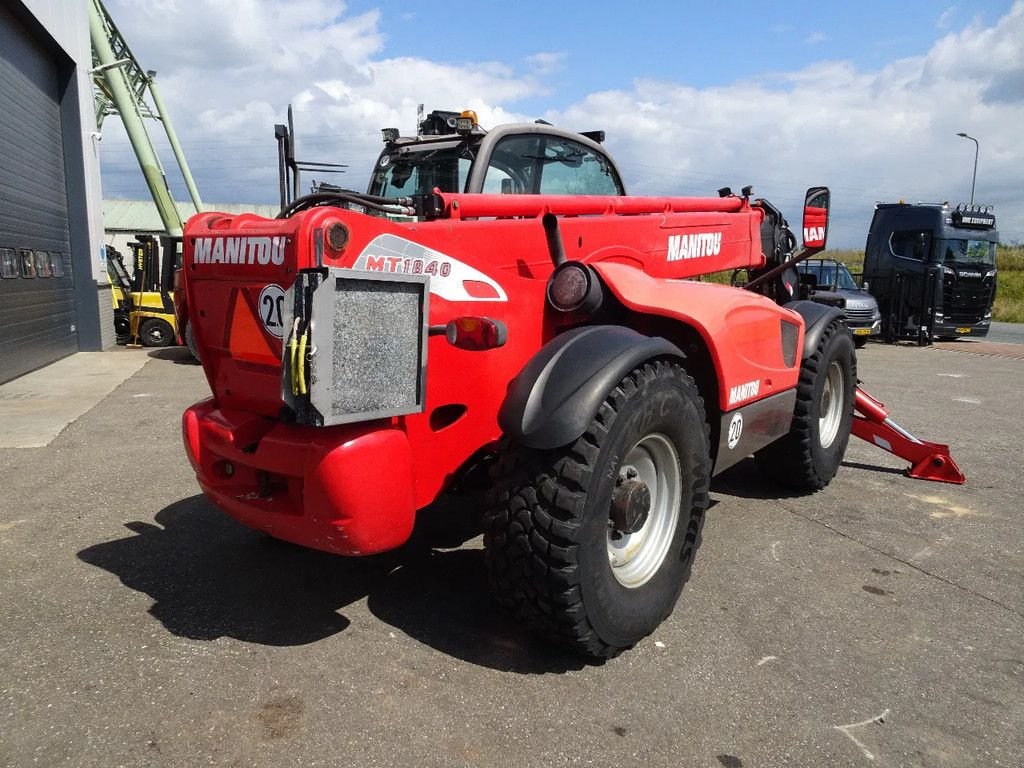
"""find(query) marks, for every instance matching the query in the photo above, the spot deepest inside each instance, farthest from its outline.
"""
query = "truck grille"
(859, 316)
(965, 301)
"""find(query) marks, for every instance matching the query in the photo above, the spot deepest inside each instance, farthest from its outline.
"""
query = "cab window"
(549, 165)
(911, 244)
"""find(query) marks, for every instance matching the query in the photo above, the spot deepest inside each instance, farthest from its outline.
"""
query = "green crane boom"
(121, 87)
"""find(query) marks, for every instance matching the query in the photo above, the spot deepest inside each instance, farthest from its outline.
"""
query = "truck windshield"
(971, 251)
(419, 171)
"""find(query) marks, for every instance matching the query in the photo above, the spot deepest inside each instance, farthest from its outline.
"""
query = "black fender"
(816, 316)
(557, 394)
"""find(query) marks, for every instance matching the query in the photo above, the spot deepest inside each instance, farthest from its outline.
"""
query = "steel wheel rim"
(636, 557)
(830, 406)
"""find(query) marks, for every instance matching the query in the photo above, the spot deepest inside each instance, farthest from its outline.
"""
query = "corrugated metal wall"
(37, 302)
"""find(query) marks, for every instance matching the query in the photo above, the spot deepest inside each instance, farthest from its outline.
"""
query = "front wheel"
(591, 544)
(155, 332)
(808, 457)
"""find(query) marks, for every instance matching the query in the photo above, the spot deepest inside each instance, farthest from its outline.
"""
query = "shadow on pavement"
(745, 481)
(177, 355)
(210, 577)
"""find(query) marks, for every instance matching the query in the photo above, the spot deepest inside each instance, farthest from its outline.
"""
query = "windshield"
(970, 251)
(828, 274)
(417, 171)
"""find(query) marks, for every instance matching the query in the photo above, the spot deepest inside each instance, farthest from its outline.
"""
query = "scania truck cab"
(932, 269)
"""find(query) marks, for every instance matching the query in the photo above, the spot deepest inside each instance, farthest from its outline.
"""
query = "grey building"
(124, 220)
(54, 294)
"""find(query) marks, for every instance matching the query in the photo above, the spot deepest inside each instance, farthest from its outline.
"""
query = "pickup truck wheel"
(591, 544)
(808, 457)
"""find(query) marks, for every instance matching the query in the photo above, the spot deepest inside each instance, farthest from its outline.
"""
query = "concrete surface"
(37, 406)
(877, 623)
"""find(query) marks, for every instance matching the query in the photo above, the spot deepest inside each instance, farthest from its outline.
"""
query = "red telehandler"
(496, 314)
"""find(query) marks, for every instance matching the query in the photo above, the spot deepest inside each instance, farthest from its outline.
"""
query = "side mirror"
(866, 286)
(816, 206)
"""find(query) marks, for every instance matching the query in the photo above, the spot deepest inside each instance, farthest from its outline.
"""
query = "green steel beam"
(120, 89)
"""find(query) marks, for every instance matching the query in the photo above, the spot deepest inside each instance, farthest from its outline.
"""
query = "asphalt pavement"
(1010, 333)
(877, 623)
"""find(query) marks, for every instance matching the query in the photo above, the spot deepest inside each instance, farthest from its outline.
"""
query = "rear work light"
(475, 333)
(574, 287)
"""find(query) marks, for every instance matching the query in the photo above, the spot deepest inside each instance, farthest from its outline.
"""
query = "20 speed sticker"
(735, 430)
(270, 307)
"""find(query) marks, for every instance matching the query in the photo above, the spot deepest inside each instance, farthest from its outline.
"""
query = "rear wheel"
(155, 332)
(808, 457)
(591, 544)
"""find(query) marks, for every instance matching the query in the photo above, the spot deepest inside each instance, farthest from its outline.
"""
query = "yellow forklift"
(144, 298)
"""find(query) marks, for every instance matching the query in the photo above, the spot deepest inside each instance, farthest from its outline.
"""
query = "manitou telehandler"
(496, 315)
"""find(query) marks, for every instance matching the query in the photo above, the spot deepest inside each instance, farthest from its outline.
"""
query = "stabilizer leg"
(929, 461)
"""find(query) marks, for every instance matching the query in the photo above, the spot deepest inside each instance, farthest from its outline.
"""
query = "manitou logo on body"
(239, 250)
(694, 246)
(743, 392)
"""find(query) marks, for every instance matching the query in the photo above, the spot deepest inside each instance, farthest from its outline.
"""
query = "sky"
(866, 98)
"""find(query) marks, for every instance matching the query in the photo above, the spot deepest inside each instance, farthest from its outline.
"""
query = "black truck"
(932, 269)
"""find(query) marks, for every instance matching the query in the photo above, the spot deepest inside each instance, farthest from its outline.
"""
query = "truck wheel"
(591, 544)
(155, 332)
(190, 341)
(808, 457)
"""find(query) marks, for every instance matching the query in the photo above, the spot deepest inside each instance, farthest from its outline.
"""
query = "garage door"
(37, 314)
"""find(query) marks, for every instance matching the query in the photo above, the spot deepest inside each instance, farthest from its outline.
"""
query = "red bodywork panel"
(354, 489)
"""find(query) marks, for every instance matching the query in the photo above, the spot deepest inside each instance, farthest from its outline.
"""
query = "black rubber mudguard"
(816, 316)
(557, 394)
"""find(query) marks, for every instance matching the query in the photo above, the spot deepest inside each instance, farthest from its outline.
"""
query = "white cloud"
(547, 62)
(817, 37)
(870, 135)
(946, 18)
(883, 134)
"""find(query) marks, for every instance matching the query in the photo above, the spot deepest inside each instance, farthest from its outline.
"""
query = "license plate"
(963, 330)
(861, 331)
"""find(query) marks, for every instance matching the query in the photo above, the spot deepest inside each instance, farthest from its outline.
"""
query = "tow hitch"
(929, 461)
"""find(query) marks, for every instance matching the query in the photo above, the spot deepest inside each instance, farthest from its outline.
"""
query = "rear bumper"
(347, 490)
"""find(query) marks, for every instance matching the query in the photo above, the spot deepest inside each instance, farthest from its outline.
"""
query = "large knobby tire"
(808, 457)
(554, 556)
(155, 332)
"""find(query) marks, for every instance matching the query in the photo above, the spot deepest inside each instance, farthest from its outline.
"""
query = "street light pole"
(975, 175)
